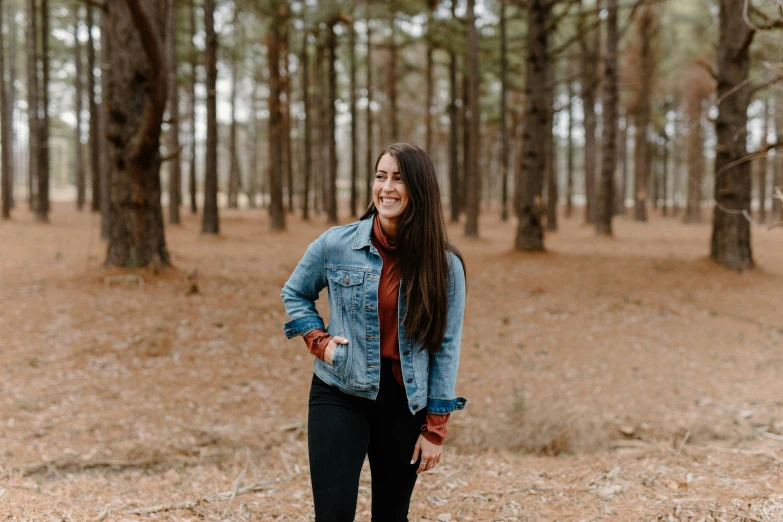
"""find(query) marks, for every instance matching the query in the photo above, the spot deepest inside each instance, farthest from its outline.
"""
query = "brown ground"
(626, 379)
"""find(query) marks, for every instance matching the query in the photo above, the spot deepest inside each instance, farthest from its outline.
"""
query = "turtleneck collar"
(380, 236)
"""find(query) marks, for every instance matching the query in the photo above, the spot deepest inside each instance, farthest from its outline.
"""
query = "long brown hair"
(422, 246)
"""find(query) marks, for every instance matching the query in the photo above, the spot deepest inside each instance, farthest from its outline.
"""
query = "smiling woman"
(386, 366)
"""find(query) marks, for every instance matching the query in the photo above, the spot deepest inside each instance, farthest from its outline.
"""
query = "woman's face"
(388, 192)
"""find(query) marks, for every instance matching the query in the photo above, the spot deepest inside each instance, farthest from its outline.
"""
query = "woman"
(386, 366)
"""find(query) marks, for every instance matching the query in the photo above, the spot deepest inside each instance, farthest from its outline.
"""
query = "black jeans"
(342, 429)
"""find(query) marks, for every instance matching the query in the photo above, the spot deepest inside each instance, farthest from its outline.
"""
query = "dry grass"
(625, 379)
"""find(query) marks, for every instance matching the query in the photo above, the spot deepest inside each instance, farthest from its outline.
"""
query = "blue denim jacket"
(344, 259)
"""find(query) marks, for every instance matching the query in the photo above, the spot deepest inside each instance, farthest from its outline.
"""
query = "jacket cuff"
(441, 406)
(303, 325)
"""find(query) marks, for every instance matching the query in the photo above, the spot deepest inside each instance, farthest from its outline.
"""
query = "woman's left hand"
(430, 454)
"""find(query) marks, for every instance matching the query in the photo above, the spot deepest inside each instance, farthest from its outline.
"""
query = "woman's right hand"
(332, 346)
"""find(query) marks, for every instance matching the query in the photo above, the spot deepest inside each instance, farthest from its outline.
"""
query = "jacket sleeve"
(441, 397)
(301, 291)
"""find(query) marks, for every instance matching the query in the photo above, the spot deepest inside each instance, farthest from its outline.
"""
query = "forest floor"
(607, 379)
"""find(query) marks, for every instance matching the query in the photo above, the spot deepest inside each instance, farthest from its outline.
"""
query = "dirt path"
(654, 376)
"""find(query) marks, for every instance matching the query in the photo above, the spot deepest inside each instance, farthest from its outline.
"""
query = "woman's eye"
(398, 179)
(378, 176)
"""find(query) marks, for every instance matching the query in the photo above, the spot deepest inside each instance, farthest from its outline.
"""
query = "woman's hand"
(430, 454)
(332, 346)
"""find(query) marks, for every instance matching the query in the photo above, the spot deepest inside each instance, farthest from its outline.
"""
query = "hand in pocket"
(332, 346)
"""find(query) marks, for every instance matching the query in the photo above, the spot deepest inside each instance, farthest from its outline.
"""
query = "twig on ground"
(192, 504)
(770, 435)
(237, 482)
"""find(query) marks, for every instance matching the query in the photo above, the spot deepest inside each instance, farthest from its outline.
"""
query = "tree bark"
(392, 78)
(551, 153)
(42, 207)
(210, 223)
(694, 157)
(286, 108)
(472, 172)
(175, 162)
(777, 173)
(589, 73)
(137, 98)
(369, 159)
(503, 123)
(308, 149)
(622, 151)
(605, 200)
(354, 119)
(104, 147)
(331, 47)
(730, 244)
(642, 152)
(233, 176)
(429, 81)
(11, 97)
(253, 134)
(79, 96)
(95, 133)
(5, 129)
(274, 44)
(530, 232)
(569, 210)
(454, 189)
(32, 102)
(192, 189)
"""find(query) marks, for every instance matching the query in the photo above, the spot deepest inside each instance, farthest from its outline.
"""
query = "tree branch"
(157, 89)
(756, 88)
(712, 72)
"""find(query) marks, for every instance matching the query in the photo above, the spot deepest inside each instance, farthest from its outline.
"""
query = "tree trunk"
(319, 185)
(642, 152)
(530, 232)
(95, 133)
(569, 210)
(175, 162)
(369, 159)
(665, 174)
(42, 208)
(331, 46)
(472, 172)
(551, 154)
(465, 137)
(79, 96)
(761, 174)
(32, 102)
(137, 97)
(605, 197)
(192, 189)
(233, 176)
(104, 147)
(308, 149)
(453, 131)
(730, 245)
(11, 97)
(430, 70)
(503, 123)
(274, 44)
(676, 162)
(589, 57)
(286, 108)
(694, 157)
(210, 223)
(5, 129)
(354, 119)
(777, 173)
(392, 78)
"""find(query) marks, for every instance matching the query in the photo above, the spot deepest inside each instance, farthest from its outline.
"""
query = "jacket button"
(347, 280)
(410, 379)
(406, 352)
(415, 406)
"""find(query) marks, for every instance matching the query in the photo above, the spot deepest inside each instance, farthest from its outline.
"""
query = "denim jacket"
(344, 259)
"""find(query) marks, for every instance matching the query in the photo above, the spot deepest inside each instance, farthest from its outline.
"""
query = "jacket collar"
(363, 236)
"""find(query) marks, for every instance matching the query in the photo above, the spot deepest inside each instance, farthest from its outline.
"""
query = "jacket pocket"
(348, 287)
